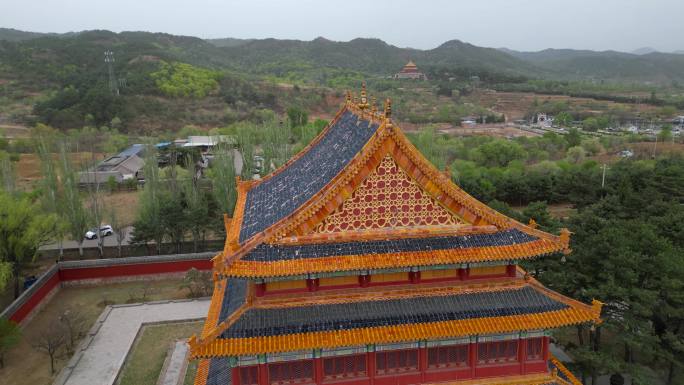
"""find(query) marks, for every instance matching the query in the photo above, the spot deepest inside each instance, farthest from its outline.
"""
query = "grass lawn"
(190, 373)
(26, 366)
(145, 361)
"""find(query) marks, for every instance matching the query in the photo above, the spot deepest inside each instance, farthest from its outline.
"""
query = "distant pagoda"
(410, 71)
(359, 263)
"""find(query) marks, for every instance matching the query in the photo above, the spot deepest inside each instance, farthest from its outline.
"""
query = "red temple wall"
(40, 292)
(398, 367)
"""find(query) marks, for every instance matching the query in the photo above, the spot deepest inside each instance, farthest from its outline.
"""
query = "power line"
(113, 83)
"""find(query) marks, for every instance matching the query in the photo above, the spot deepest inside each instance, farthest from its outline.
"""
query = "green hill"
(654, 67)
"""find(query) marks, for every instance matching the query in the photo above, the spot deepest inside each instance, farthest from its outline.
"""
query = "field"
(514, 105)
(26, 366)
(144, 362)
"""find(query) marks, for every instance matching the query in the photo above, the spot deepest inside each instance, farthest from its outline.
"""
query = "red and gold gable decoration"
(388, 197)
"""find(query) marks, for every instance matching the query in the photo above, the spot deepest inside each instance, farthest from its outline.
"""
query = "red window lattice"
(291, 372)
(448, 356)
(497, 352)
(248, 375)
(396, 361)
(534, 349)
(344, 366)
(388, 197)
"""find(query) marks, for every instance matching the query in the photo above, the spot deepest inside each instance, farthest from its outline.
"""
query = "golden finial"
(532, 223)
(374, 107)
(565, 236)
(349, 97)
(388, 108)
(364, 99)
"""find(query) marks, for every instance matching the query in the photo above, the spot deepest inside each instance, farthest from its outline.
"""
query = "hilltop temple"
(410, 71)
(359, 263)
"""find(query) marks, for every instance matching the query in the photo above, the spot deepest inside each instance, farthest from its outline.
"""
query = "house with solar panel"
(359, 263)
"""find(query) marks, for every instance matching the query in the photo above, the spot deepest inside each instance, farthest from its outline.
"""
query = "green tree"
(70, 204)
(222, 174)
(563, 119)
(24, 227)
(148, 225)
(196, 211)
(297, 116)
(576, 154)
(590, 124)
(573, 137)
(665, 134)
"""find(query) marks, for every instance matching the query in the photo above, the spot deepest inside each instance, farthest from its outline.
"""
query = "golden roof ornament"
(374, 107)
(349, 97)
(388, 108)
(364, 99)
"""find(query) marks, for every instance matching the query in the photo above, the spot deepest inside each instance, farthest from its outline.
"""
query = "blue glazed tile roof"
(258, 322)
(279, 196)
(234, 296)
(270, 253)
(220, 372)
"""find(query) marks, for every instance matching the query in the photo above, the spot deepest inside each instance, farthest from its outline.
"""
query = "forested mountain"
(608, 65)
(371, 56)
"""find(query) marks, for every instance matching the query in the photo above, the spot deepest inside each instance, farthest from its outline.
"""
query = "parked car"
(105, 230)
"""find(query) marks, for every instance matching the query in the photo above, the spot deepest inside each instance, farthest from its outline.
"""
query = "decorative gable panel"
(388, 197)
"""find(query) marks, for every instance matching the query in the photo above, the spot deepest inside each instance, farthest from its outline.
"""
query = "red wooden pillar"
(260, 289)
(371, 365)
(472, 352)
(522, 354)
(235, 377)
(262, 374)
(312, 284)
(463, 273)
(545, 348)
(414, 276)
(422, 360)
(318, 370)
(364, 280)
(510, 270)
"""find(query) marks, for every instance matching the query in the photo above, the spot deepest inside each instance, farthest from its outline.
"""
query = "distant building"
(410, 71)
(544, 121)
(125, 165)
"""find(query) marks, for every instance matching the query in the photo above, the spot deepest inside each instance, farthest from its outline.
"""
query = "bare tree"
(96, 206)
(74, 323)
(199, 283)
(120, 229)
(51, 341)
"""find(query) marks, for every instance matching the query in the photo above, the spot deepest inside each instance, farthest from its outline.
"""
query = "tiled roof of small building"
(270, 253)
(343, 316)
(279, 195)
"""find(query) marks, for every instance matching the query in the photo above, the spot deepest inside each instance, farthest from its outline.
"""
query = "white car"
(104, 231)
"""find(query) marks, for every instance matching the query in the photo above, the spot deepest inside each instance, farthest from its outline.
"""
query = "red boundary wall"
(74, 271)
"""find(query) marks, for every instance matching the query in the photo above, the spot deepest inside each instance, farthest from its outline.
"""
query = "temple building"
(410, 71)
(359, 263)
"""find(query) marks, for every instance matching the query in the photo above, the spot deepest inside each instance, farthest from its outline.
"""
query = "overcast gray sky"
(518, 24)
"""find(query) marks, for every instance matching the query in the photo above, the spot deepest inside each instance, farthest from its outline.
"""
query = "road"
(108, 241)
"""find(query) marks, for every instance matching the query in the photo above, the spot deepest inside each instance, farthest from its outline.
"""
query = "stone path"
(99, 357)
(173, 371)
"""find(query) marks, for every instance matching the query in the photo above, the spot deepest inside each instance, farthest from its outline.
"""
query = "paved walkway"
(100, 356)
(176, 365)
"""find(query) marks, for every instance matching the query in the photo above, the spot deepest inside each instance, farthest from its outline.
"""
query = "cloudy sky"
(518, 24)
